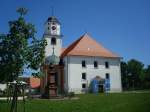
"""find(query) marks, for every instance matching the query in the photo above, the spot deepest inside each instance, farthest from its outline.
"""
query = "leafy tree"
(133, 74)
(148, 73)
(135, 69)
(146, 80)
(124, 74)
(19, 49)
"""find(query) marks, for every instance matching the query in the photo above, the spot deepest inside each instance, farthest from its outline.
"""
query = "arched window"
(53, 41)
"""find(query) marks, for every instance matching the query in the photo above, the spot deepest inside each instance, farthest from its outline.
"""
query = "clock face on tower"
(54, 30)
(53, 27)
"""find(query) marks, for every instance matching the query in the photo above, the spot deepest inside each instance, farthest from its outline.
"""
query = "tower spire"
(52, 11)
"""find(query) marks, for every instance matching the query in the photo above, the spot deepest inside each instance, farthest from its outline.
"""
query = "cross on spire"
(52, 11)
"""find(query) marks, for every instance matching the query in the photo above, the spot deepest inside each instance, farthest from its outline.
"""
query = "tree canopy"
(134, 75)
(20, 48)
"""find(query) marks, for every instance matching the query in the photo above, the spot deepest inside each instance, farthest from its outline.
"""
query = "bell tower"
(52, 83)
(52, 34)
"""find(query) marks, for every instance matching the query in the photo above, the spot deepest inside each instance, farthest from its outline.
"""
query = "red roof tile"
(62, 50)
(34, 82)
(86, 46)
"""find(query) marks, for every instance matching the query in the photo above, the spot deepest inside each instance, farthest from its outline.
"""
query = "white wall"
(48, 34)
(49, 47)
(74, 70)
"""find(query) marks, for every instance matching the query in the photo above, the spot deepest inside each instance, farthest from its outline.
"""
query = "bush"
(3, 93)
(71, 94)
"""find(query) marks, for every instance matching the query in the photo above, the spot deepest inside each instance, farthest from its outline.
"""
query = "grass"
(121, 102)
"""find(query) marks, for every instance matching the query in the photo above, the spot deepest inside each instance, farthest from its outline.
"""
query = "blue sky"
(123, 26)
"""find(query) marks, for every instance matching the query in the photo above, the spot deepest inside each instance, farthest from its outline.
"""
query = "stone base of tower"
(52, 83)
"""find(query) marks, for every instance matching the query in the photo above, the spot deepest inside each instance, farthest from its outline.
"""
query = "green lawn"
(123, 102)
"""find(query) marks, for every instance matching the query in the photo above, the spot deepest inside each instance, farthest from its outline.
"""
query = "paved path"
(5, 98)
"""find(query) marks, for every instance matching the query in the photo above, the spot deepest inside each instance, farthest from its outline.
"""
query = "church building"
(84, 66)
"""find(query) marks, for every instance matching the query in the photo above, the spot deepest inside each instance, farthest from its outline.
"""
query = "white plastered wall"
(73, 72)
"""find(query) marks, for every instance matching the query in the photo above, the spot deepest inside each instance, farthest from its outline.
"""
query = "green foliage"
(20, 48)
(146, 77)
(135, 69)
(134, 75)
(147, 70)
(124, 74)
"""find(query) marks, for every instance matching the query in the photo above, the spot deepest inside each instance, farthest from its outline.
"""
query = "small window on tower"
(48, 28)
(53, 41)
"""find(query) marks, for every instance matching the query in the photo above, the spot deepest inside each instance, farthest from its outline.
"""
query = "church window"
(84, 76)
(83, 63)
(48, 28)
(106, 64)
(53, 41)
(95, 64)
(107, 76)
(83, 86)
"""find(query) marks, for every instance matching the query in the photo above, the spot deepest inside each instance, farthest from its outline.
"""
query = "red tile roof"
(86, 46)
(63, 49)
(34, 82)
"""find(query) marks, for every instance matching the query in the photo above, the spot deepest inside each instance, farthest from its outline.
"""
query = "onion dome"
(52, 60)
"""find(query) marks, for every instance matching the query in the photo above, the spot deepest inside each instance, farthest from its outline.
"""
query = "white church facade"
(78, 78)
(73, 69)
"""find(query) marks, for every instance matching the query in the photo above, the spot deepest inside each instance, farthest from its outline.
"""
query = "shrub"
(71, 94)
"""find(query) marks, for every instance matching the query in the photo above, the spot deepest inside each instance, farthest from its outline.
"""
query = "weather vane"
(22, 11)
